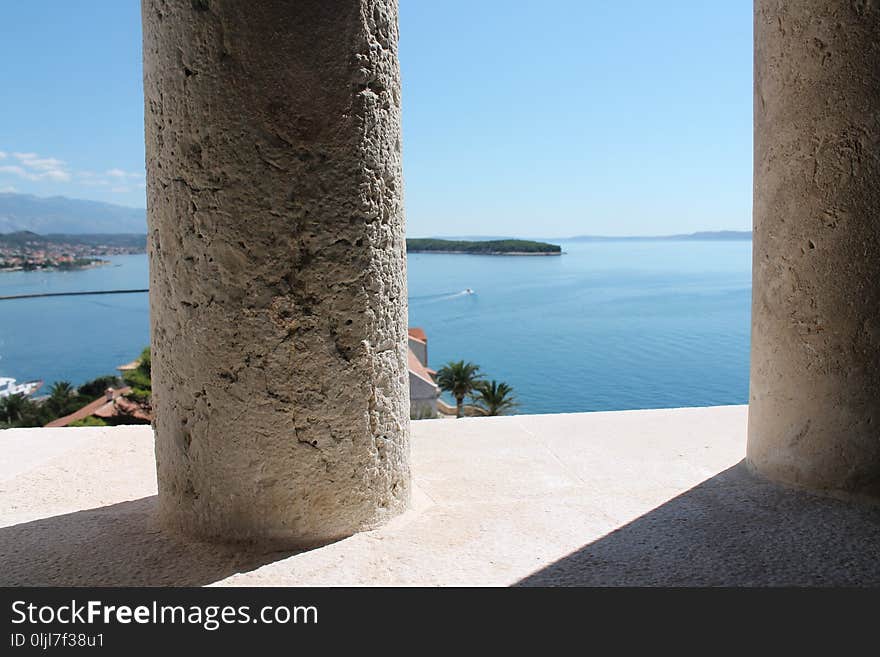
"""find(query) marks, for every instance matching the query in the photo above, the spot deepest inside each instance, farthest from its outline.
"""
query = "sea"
(608, 325)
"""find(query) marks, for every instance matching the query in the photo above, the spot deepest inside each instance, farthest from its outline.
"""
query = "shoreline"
(92, 265)
(488, 253)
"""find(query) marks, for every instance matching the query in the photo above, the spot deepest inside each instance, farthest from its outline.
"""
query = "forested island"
(482, 247)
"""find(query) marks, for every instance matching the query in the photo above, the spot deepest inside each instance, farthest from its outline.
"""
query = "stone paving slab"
(619, 498)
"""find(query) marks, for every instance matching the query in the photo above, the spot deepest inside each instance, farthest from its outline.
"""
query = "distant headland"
(701, 236)
(482, 247)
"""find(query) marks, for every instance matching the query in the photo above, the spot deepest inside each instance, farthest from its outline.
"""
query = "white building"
(423, 392)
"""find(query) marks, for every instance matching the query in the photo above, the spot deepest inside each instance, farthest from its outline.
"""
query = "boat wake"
(433, 298)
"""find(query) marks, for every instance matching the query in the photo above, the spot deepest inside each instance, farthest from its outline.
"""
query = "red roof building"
(111, 407)
(423, 391)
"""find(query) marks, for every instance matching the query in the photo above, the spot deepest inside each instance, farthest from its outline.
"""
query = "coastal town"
(45, 260)
(28, 251)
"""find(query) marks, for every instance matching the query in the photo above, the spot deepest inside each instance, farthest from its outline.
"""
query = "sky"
(520, 118)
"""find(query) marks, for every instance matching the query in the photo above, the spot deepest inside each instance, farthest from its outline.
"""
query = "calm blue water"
(611, 325)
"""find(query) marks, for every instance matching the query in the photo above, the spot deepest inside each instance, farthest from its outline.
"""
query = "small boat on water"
(468, 290)
(8, 387)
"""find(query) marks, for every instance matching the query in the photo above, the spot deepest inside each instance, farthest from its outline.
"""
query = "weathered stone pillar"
(814, 416)
(277, 266)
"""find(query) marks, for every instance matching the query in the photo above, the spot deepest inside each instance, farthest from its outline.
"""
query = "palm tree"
(459, 379)
(494, 398)
(59, 396)
(61, 390)
(12, 408)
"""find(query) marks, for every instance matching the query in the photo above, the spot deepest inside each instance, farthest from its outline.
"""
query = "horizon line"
(582, 236)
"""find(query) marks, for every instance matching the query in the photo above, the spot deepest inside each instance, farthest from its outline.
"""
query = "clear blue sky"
(550, 118)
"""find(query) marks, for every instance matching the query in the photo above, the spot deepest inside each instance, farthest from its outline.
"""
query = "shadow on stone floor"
(735, 529)
(117, 545)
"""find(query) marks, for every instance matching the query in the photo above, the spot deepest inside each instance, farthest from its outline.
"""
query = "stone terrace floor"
(657, 497)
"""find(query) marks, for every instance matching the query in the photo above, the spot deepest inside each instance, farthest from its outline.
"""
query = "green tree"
(19, 411)
(494, 398)
(139, 379)
(89, 421)
(61, 393)
(12, 409)
(61, 390)
(97, 387)
(146, 362)
(459, 379)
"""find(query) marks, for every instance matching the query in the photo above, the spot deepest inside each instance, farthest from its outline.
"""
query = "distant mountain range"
(58, 215)
(706, 235)
(720, 235)
(61, 215)
(27, 240)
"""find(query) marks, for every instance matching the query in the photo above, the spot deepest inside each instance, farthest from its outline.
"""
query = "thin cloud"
(117, 178)
(34, 167)
(57, 175)
(92, 179)
(44, 163)
(120, 174)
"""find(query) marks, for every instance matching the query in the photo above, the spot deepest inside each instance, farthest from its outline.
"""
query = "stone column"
(814, 416)
(277, 266)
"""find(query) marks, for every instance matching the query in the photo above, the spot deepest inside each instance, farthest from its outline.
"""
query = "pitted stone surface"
(277, 266)
(815, 375)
